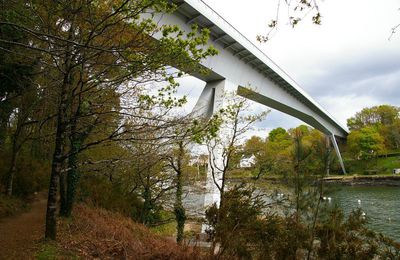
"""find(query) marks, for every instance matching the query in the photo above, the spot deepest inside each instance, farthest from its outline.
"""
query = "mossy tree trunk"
(72, 176)
(147, 204)
(179, 210)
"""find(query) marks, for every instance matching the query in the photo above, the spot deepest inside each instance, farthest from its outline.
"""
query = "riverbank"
(349, 180)
(372, 180)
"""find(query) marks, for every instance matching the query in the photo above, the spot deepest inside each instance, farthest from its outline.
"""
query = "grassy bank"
(376, 166)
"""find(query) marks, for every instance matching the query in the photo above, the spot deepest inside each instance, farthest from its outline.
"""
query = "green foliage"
(31, 174)
(377, 115)
(366, 143)
(380, 165)
(277, 134)
(100, 192)
(384, 118)
(279, 153)
(165, 230)
(93, 62)
(342, 238)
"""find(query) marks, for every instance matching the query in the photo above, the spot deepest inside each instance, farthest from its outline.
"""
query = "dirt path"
(19, 234)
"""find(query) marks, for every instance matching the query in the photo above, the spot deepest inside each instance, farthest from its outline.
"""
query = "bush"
(32, 175)
(100, 192)
(244, 231)
(11, 206)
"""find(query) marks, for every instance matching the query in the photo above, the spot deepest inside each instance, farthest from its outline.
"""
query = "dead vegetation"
(97, 233)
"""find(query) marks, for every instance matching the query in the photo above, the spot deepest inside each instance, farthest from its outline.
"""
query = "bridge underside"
(242, 63)
(256, 76)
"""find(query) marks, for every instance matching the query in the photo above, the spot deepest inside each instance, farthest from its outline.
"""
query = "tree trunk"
(179, 210)
(72, 176)
(57, 161)
(14, 156)
(11, 172)
(5, 113)
(56, 167)
(327, 156)
(63, 193)
(145, 218)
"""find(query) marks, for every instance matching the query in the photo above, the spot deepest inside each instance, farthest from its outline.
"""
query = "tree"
(384, 118)
(374, 116)
(223, 146)
(365, 143)
(278, 134)
(88, 45)
(18, 92)
(177, 162)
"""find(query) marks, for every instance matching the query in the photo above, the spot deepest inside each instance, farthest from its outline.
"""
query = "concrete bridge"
(256, 76)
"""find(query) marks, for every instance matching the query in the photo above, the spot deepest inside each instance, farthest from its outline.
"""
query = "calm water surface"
(380, 204)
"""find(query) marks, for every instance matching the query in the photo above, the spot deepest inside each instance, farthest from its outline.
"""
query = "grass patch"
(165, 230)
(50, 251)
(379, 166)
(240, 173)
(47, 251)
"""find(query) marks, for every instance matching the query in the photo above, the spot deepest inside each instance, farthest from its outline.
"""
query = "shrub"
(243, 231)
(10, 206)
(31, 175)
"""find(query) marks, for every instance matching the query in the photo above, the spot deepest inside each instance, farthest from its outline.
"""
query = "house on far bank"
(247, 162)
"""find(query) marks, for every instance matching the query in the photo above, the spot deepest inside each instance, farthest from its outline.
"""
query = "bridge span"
(256, 76)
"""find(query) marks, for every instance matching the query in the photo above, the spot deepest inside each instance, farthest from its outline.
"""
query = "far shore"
(364, 180)
(349, 180)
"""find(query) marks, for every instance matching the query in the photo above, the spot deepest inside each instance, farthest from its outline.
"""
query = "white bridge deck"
(242, 63)
(257, 77)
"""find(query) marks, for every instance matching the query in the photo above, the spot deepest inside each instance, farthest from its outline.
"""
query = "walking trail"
(19, 235)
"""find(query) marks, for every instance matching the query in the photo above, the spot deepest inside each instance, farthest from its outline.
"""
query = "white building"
(247, 162)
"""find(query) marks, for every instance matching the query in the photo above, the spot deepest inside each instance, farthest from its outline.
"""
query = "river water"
(380, 204)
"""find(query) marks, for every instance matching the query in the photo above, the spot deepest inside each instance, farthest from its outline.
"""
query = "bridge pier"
(338, 154)
(211, 100)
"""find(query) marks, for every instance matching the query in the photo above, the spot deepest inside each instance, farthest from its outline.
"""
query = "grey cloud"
(374, 75)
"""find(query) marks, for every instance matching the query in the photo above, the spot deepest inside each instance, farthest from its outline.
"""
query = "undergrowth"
(96, 233)
(11, 206)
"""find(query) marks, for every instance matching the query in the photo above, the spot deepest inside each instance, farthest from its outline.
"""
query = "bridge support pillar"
(339, 155)
(211, 101)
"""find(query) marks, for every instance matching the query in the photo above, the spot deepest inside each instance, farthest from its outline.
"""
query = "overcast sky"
(345, 64)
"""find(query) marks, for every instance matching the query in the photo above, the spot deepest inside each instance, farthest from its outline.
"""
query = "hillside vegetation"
(94, 233)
